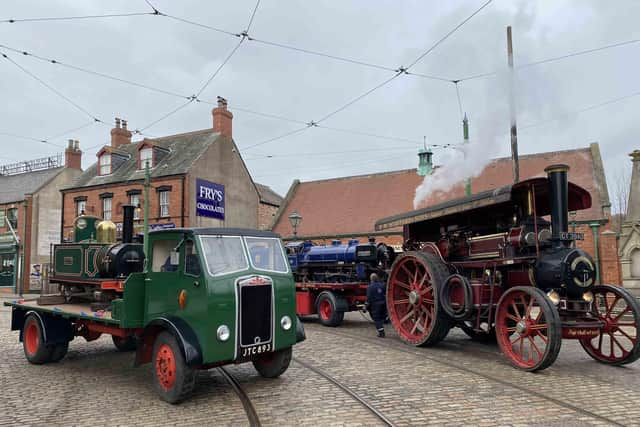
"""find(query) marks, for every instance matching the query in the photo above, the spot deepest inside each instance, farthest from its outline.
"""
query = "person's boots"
(380, 333)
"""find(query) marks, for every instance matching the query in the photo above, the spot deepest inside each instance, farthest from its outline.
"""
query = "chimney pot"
(117, 122)
(222, 118)
(124, 124)
(70, 145)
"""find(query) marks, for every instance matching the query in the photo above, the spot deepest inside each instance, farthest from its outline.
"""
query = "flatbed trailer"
(329, 300)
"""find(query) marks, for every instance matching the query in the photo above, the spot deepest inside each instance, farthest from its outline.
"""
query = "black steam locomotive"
(94, 266)
(494, 265)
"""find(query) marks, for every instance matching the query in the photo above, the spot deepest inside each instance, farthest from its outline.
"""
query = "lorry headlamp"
(223, 333)
(286, 323)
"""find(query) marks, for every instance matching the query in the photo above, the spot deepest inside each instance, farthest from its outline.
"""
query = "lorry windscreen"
(223, 254)
(266, 254)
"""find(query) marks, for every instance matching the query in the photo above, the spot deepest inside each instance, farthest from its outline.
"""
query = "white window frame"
(107, 213)
(104, 163)
(134, 199)
(163, 210)
(148, 157)
(3, 216)
(81, 205)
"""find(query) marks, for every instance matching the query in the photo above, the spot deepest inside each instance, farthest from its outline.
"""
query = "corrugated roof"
(353, 204)
(184, 150)
(267, 195)
(14, 187)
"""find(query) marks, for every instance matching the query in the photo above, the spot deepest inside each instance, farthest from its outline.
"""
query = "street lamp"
(295, 218)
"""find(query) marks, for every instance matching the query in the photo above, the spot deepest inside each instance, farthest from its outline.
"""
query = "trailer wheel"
(59, 351)
(35, 349)
(124, 344)
(413, 293)
(618, 342)
(272, 365)
(172, 378)
(326, 307)
(528, 328)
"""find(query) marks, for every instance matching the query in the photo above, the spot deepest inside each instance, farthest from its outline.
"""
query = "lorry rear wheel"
(124, 344)
(272, 365)
(59, 351)
(35, 349)
(172, 378)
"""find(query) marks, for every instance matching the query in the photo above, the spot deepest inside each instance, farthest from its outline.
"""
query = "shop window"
(106, 208)
(81, 207)
(105, 164)
(134, 199)
(635, 263)
(146, 155)
(164, 203)
(12, 217)
(7, 269)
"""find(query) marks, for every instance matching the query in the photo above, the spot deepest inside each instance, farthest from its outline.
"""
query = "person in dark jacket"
(376, 303)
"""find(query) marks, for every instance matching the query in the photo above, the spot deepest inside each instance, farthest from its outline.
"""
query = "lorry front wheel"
(172, 378)
(124, 344)
(35, 349)
(272, 365)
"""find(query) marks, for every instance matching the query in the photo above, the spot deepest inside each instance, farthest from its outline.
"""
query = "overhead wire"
(255, 9)
(51, 88)
(72, 18)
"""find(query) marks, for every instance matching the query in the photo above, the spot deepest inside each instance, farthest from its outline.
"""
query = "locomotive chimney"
(558, 200)
(127, 223)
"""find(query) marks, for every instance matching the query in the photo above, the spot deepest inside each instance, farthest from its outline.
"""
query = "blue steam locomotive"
(337, 262)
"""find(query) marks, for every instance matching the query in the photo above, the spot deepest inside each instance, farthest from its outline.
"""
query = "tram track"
(454, 365)
(347, 390)
(252, 415)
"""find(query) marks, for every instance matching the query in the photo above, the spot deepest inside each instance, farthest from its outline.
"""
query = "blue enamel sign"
(209, 199)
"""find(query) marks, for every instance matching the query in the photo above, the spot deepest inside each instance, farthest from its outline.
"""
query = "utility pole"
(512, 108)
(465, 135)
(147, 184)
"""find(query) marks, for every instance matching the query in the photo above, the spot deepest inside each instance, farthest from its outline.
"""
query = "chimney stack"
(119, 134)
(73, 155)
(222, 118)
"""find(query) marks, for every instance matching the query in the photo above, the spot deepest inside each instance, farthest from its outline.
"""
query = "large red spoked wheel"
(528, 328)
(172, 378)
(618, 342)
(412, 298)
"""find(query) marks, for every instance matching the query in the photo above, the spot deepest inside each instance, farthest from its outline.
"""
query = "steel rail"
(347, 390)
(454, 365)
(252, 415)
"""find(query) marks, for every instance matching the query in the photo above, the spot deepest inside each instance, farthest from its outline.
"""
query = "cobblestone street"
(457, 383)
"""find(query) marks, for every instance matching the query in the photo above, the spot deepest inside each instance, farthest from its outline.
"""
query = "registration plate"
(256, 349)
(566, 235)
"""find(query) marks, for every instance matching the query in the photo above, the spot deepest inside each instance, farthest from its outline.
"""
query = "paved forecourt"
(459, 382)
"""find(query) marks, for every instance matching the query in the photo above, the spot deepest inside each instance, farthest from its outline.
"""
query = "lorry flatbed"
(67, 311)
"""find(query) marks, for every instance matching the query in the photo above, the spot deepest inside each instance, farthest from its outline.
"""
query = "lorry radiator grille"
(255, 314)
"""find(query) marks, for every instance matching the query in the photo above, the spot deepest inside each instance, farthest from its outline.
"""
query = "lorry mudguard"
(182, 332)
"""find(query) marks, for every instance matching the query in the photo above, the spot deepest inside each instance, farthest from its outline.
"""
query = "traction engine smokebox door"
(255, 326)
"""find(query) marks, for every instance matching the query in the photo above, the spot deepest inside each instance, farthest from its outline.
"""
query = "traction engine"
(502, 265)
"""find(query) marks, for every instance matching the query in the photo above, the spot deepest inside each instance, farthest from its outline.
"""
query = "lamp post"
(295, 218)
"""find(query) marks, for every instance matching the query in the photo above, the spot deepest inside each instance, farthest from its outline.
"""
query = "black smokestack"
(127, 223)
(558, 199)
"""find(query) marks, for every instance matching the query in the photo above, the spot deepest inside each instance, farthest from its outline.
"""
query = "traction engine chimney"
(127, 223)
(558, 200)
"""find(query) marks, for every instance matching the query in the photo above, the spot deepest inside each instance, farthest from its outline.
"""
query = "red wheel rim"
(619, 336)
(522, 329)
(325, 309)
(32, 338)
(165, 366)
(411, 297)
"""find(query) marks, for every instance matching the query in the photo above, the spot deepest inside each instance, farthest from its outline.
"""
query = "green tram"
(205, 298)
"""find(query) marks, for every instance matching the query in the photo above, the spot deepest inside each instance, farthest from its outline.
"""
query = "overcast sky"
(177, 57)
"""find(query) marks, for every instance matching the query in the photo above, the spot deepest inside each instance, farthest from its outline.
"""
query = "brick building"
(357, 202)
(198, 179)
(30, 209)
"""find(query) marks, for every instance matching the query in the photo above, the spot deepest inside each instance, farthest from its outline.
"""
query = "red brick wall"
(609, 263)
(94, 203)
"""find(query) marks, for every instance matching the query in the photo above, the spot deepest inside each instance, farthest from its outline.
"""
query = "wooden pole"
(512, 108)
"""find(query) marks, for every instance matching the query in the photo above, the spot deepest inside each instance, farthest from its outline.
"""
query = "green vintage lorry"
(204, 298)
